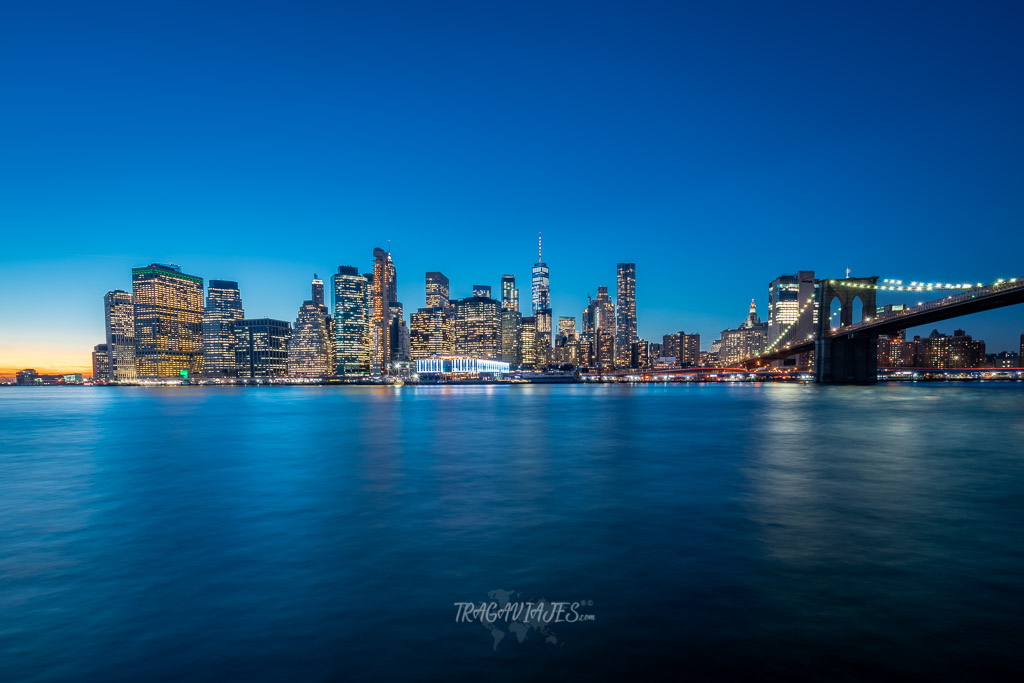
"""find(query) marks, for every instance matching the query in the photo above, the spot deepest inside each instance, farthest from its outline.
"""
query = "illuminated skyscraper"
(223, 310)
(318, 290)
(482, 290)
(625, 327)
(350, 321)
(430, 334)
(528, 338)
(384, 292)
(101, 363)
(541, 282)
(511, 336)
(399, 333)
(437, 290)
(311, 348)
(119, 315)
(787, 294)
(168, 321)
(477, 328)
(261, 347)
(747, 340)
(509, 293)
(567, 326)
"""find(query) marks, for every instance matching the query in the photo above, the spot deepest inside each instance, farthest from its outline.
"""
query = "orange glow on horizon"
(45, 359)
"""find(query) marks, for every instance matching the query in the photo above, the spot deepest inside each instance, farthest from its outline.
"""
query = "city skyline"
(707, 336)
(716, 149)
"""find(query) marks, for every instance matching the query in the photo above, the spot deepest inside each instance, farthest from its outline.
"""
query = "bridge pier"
(850, 359)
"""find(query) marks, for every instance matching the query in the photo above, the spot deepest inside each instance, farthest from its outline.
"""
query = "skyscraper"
(541, 282)
(437, 290)
(477, 328)
(350, 321)
(119, 317)
(223, 310)
(100, 363)
(567, 326)
(168, 321)
(528, 338)
(746, 340)
(430, 334)
(311, 344)
(509, 293)
(318, 290)
(261, 347)
(482, 290)
(625, 327)
(511, 336)
(384, 292)
(787, 294)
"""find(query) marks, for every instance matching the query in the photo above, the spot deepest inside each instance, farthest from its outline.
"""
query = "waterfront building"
(168, 308)
(787, 296)
(438, 293)
(640, 355)
(543, 337)
(431, 334)
(477, 323)
(482, 290)
(747, 340)
(894, 351)
(119, 319)
(942, 351)
(399, 334)
(461, 367)
(511, 336)
(528, 343)
(223, 310)
(625, 322)
(541, 282)
(688, 349)
(351, 322)
(311, 345)
(26, 378)
(383, 294)
(509, 293)
(261, 347)
(101, 363)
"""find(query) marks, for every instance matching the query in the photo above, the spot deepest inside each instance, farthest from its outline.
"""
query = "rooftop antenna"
(389, 247)
(539, 259)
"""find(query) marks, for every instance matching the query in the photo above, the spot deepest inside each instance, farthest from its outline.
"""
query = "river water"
(794, 532)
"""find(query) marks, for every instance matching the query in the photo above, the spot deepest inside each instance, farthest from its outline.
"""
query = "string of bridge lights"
(788, 327)
(915, 286)
(887, 285)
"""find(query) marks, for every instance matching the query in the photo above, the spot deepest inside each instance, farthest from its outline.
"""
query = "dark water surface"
(790, 532)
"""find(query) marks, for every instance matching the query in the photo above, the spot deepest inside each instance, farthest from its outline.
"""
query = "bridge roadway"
(1006, 293)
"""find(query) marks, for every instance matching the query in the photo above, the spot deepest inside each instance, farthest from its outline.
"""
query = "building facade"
(351, 322)
(101, 363)
(477, 323)
(625, 321)
(261, 347)
(119, 318)
(747, 340)
(223, 310)
(311, 345)
(168, 307)
(430, 334)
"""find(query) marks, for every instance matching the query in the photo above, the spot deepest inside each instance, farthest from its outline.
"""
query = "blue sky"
(717, 147)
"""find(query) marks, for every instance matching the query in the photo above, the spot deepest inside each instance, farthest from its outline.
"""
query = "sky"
(716, 145)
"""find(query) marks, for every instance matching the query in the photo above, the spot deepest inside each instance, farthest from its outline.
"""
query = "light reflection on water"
(324, 533)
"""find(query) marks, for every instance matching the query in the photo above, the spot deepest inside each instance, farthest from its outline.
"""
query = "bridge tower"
(850, 358)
